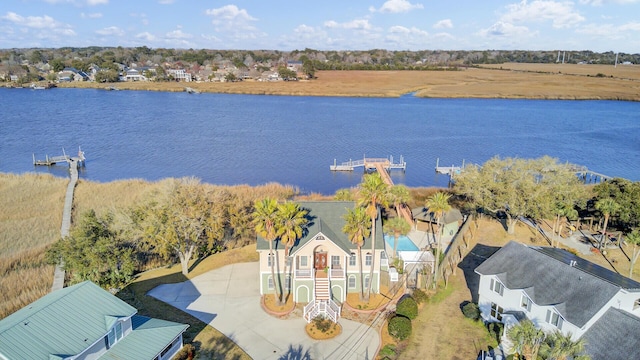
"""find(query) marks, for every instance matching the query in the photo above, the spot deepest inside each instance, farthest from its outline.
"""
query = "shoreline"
(501, 81)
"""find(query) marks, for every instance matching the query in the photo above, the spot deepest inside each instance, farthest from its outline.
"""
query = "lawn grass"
(209, 342)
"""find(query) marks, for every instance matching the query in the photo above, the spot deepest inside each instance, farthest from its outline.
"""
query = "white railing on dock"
(369, 163)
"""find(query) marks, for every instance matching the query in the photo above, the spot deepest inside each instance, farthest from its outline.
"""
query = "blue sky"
(597, 25)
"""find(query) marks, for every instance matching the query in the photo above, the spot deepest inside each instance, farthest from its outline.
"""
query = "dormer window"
(525, 302)
(497, 287)
(636, 304)
(114, 335)
(320, 237)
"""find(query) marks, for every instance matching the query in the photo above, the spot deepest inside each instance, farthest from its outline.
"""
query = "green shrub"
(187, 352)
(323, 324)
(399, 327)
(407, 307)
(495, 330)
(471, 311)
(419, 296)
(388, 351)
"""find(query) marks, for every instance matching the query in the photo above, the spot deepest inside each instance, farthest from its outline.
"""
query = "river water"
(255, 139)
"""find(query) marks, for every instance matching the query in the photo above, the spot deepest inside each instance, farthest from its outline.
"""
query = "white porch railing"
(337, 273)
(327, 308)
(304, 273)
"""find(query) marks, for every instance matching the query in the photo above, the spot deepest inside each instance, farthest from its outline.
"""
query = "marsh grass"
(534, 81)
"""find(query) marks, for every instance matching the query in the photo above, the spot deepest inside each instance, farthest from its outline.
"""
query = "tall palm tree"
(559, 346)
(633, 238)
(290, 223)
(265, 217)
(438, 204)
(374, 192)
(526, 338)
(396, 226)
(607, 207)
(357, 227)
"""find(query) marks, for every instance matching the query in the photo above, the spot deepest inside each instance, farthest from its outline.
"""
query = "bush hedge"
(419, 296)
(399, 327)
(407, 307)
(471, 311)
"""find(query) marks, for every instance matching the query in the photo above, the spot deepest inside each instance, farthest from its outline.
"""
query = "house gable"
(577, 289)
(614, 336)
(326, 217)
(63, 323)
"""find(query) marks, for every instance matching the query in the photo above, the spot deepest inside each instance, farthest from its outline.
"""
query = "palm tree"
(607, 207)
(343, 195)
(559, 346)
(438, 203)
(396, 226)
(633, 238)
(265, 216)
(398, 195)
(358, 227)
(290, 223)
(526, 338)
(373, 193)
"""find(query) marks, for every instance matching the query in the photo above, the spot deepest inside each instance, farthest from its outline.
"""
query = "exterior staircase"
(322, 304)
(322, 289)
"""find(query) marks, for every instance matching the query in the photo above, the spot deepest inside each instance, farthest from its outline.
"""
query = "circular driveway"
(229, 300)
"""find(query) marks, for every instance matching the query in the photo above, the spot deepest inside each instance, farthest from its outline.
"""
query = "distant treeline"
(375, 59)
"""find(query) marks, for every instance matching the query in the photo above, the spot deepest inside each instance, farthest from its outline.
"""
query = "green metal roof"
(326, 217)
(148, 338)
(62, 323)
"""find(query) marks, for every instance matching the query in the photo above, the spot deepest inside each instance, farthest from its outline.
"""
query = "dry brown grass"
(536, 81)
(30, 211)
(30, 218)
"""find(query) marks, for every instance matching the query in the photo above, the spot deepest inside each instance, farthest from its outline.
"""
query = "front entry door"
(321, 260)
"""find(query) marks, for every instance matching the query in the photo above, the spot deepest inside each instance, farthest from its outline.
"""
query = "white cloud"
(146, 36)
(111, 31)
(503, 29)
(178, 34)
(610, 31)
(97, 2)
(357, 24)
(443, 24)
(561, 14)
(407, 31)
(235, 22)
(229, 14)
(36, 22)
(396, 6)
(165, 2)
(91, 16)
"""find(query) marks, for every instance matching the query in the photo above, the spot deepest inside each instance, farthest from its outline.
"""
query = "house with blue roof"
(559, 291)
(85, 322)
(323, 265)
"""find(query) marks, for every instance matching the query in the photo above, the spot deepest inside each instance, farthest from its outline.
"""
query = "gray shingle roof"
(62, 323)
(326, 218)
(614, 336)
(148, 339)
(549, 279)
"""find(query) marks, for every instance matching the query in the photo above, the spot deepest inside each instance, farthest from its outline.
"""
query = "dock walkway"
(369, 163)
(59, 273)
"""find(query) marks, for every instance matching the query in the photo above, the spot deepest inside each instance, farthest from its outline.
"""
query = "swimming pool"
(404, 243)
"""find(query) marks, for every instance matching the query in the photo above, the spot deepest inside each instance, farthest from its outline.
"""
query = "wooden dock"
(52, 160)
(448, 170)
(369, 164)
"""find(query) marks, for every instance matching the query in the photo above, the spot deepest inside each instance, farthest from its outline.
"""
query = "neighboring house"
(558, 290)
(72, 74)
(428, 221)
(323, 263)
(134, 75)
(85, 322)
(179, 74)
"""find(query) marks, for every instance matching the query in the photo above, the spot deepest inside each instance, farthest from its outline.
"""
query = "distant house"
(72, 74)
(294, 65)
(557, 290)
(323, 264)
(134, 75)
(179, 74)
(86, 322)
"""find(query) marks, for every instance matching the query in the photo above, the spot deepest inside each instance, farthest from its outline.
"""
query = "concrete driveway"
(229, 300)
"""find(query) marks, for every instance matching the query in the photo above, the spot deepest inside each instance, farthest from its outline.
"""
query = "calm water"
(238, 139)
